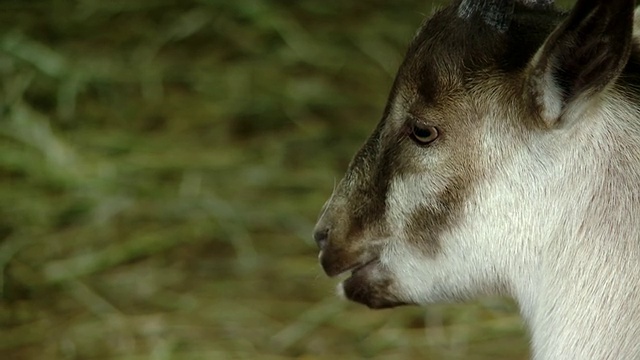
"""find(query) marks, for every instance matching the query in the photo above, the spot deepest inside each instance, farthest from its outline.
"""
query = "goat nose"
(321, 236)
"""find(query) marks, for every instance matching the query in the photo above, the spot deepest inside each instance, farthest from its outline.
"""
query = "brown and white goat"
(507, 162)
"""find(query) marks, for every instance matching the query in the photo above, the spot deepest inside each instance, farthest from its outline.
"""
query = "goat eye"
(423, 134)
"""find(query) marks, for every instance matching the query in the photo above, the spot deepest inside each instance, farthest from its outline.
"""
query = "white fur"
(550, 98)
(636, 23)
(549, 93)
(557, 228)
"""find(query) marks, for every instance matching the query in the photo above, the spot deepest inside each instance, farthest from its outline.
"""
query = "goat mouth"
(351, 270)
(361, 266)
(354, 270)
(334, 266)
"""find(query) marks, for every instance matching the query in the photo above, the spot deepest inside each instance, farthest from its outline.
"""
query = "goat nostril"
(321, 237)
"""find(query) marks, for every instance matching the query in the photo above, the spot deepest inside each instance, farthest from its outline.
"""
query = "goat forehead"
(440, 59)
(454, 46)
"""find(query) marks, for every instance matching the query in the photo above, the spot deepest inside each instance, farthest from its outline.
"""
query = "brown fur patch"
(427, 222)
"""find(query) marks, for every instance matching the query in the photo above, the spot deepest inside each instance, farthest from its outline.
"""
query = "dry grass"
(161, 166)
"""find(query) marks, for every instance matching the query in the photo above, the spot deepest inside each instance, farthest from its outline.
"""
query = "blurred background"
(162, 163)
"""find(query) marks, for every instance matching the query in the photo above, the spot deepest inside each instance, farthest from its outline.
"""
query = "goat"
(507, 162)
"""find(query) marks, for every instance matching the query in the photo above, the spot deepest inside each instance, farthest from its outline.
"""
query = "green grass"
(162, 163)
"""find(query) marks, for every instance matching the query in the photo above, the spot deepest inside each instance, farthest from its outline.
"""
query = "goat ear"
(583, 55)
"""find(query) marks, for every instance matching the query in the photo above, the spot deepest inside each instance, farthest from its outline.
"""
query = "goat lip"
(361, 266)
(338, 271)
(358, 267)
